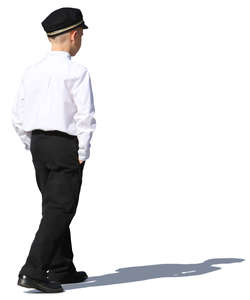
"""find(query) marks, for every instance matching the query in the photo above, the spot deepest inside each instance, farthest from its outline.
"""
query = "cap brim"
(84, 26)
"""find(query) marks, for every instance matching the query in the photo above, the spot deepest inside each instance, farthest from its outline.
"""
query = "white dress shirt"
(55, 93)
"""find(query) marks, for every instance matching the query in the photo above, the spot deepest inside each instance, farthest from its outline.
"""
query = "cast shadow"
(139, 273)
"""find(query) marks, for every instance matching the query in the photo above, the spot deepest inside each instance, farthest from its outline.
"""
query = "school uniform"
(53, 115)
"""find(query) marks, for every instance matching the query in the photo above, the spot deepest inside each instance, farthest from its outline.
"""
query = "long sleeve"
(84, 117)
(17, 117)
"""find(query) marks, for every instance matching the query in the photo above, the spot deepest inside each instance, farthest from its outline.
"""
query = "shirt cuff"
(83, 155)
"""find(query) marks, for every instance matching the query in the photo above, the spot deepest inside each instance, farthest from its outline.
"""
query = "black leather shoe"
(74, 277)
(46, 286)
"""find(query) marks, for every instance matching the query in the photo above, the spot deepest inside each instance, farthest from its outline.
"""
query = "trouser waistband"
(53, 132)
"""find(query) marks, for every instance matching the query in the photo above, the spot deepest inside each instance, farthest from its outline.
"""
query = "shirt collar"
(59, 53)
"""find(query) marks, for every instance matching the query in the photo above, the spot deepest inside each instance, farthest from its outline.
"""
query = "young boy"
(53, 114)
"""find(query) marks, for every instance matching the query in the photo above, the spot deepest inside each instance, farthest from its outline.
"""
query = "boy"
(54, 117)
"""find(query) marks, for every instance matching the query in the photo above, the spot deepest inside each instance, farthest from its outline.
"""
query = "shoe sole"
(29, 283)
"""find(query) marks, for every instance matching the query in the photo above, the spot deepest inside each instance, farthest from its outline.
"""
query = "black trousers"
(59, 179)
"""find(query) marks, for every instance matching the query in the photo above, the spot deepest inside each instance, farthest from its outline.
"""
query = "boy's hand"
(80, 161)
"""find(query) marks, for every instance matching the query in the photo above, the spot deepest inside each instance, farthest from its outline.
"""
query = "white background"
(166, 186)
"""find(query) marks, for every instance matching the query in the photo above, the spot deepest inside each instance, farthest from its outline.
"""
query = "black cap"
(63, 20)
